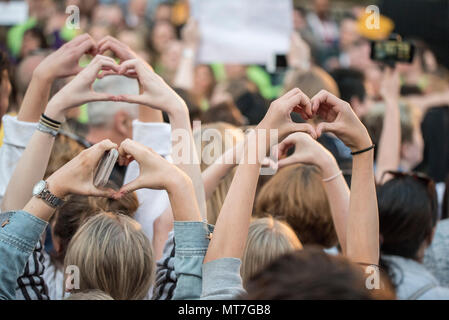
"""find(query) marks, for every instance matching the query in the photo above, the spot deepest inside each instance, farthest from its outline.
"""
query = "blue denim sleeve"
(191, 243)
(19, 234)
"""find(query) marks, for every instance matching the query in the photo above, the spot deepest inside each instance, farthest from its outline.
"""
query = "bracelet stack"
(48, 125)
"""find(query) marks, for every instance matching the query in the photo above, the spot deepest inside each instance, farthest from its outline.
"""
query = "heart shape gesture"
(279, 114)
(340, 120)
(155, 171)
(79, 90)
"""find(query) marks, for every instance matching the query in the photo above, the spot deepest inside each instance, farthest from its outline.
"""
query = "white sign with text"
(242, 31)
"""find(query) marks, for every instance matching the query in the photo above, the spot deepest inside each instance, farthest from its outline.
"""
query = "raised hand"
(79, 90)
(122, 51)
(77, 176)
(155, 171)
(307, 151)
(65, 61)
(341, 120)
(154, 91)
(279, 114)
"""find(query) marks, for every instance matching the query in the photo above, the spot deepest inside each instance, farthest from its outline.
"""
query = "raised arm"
(22, 230)
(61, 63)
(309, 151)
(234, 218)
(362, 233)
(33, 163)
(389, 148)
(185, 71)
(157, 94)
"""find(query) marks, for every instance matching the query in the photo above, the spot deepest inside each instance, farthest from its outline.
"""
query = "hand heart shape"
(154, 171)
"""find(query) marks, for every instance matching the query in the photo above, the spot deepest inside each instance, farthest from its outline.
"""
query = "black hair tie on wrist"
(51, 120)
(362, 151)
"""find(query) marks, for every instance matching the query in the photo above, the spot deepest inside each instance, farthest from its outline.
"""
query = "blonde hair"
(268, 238)
(113, 255)
(90, 295)
(64, 150)
(229, 136)
(296, 194)
(311, 82)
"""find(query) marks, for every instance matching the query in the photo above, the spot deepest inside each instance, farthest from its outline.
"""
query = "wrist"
(55, 187)
(327, 165)
(179, 182)
(53, 110)
(43, 76)
(177, 109)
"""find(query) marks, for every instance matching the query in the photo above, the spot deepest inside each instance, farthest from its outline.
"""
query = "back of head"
(309, 274)
(350, 84)
(407, 215)
(268, 239)
(296, 194)
(101, 113)
(113, 255)
(311, 82)
(77, 209)
(90, 295)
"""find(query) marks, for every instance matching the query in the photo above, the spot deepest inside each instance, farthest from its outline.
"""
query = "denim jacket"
(219, 279)
(19, 235)
(216, 280)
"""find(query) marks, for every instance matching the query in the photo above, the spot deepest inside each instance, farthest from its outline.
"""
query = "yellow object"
(375, 28)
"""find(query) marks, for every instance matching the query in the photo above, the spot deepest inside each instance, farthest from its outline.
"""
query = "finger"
(87, 46)
(99, 192)
(287, 162)
(304, 127)
(325, 127)
(97, 150)
(302, 101)
(131, 186)
(131, 98)
(324, 97)
(78, 39)
(291, 93)
(106, 73)
(132, 148)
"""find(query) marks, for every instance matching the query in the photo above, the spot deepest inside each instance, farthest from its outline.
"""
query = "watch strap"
(51, 199)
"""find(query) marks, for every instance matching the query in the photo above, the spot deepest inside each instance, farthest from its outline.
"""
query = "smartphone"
(392, 51)
(277, 63)
(105, 167)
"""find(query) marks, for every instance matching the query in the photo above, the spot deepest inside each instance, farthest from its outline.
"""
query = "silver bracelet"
(47, 130)
(333, 177)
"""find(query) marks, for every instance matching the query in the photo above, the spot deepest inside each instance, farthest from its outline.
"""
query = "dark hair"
(223, 112)
(311, 274)
(4, 64)
(445, 207)
(38, 33)
(350, 83)
(407, 215)
(78, 208)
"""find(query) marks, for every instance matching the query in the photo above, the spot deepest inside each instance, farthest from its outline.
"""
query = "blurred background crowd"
(330, 49)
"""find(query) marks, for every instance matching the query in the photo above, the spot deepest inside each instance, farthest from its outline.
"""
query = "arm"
(222, 262)
(157, 94)
(18, 131)
(20, 233)
(389, 149)
(362, 233)
(33, 163)
(310, 151)
(186, 68)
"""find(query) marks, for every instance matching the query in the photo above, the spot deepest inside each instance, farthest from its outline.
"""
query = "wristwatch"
(41, 191)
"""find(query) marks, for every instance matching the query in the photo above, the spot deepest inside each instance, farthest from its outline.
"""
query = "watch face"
(39, 187)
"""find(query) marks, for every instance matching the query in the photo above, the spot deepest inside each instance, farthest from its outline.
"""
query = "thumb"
(325, 127)
(305, 127)
(131, 98)
(286, 162)
(131, 186)
(107, 192)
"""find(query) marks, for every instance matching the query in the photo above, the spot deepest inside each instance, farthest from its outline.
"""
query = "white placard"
(242, 31)
(13, 12)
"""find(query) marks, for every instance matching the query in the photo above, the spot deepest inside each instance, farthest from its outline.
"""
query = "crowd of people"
(355, 204)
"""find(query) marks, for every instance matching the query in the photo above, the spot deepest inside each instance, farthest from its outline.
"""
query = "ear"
(123, 123)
